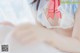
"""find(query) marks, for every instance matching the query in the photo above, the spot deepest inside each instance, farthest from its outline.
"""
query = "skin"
(7, 24)
(66, 40)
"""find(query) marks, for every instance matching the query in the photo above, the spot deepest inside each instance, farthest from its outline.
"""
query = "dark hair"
(38, 2)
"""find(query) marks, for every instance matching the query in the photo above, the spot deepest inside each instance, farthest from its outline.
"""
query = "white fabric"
(41, 16)
(67, 10)
(67, 20)
(15, 11)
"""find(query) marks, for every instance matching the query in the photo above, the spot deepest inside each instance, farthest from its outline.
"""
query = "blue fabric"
(70, 7)
(74, 7)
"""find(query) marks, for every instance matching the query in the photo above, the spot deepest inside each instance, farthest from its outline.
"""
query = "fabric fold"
(53, 9)
(68, 11)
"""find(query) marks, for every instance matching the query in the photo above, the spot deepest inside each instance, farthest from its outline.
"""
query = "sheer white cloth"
(67, 10)
(15, 11)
